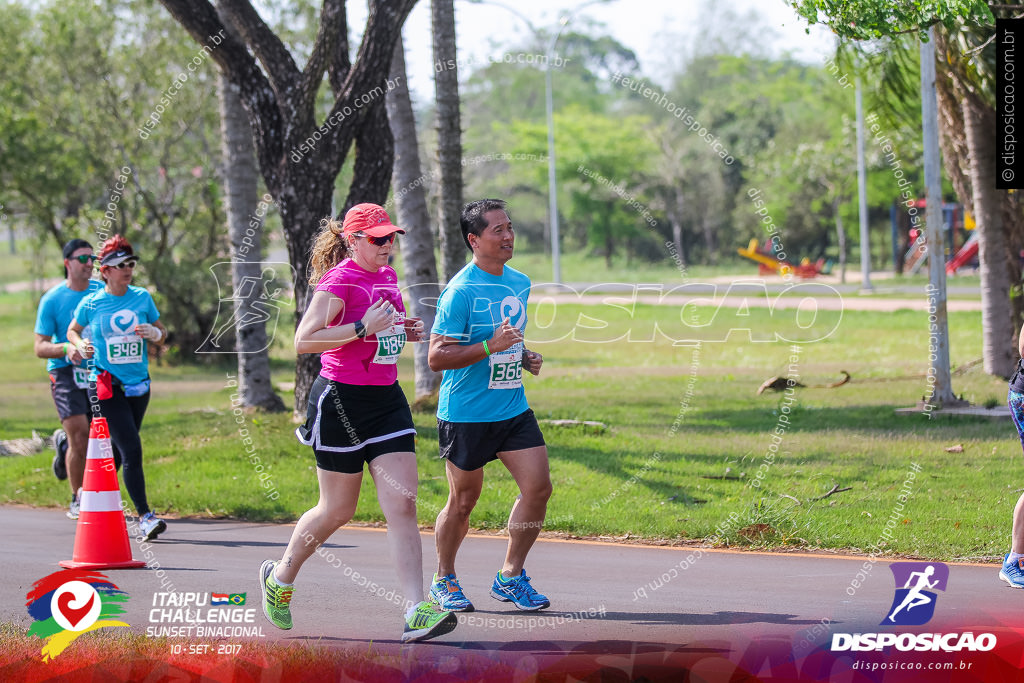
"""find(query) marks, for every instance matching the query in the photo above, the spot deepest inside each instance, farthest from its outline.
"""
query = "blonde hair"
(329, 249)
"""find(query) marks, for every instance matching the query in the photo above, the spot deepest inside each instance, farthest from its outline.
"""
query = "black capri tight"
(124, 418)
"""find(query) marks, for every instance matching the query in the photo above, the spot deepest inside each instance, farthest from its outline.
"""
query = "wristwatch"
(360, 329)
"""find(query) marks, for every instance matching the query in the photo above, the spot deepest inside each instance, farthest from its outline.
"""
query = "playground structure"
(967, 253)
(911, 258)
(769, 265)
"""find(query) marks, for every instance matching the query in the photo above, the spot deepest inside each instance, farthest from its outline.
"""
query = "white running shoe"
(151, 525)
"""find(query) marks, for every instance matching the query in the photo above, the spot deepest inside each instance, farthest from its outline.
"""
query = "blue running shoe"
(1012, 572)
(446, 593)
(519, 592)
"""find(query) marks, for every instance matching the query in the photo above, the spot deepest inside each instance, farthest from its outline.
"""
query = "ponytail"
(329, 249)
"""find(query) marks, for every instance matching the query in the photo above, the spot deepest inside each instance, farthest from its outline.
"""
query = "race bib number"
(390, 342)
(124, 350)
(506, 369)
(81, 377)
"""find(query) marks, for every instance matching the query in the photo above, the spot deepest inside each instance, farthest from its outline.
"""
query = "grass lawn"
(687, 452)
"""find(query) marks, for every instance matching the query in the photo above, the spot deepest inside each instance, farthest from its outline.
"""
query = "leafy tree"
(300, 159)
(510, 90)
(602, 168)
(966, 62)
(77, 86)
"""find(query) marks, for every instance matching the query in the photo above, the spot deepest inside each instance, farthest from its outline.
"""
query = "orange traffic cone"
(101, 538)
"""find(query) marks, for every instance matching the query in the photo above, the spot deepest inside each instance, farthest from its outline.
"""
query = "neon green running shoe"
(427, 622)
(276, 598)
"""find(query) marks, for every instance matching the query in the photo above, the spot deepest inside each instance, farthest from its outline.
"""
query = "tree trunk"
(302, 209)
(449, 136)
(420, 268)
(252, 302)
(675, 219)
(608, 243)
(955, 157)
(1013, 229)
(709, 240)
(299, 158)
(997, 331)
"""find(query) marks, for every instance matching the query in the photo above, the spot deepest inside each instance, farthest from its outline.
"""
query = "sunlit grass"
(684, 436)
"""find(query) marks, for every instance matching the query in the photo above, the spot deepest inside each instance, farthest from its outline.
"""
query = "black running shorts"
(69, 398)
(348, 424)
(471, 445)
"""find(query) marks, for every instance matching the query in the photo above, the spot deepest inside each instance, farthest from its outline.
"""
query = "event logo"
(512, 308)
(914, 603)
(124, 322)
(71, 602)
(198, 615)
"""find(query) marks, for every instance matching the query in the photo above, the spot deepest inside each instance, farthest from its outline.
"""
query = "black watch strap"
(360, 329)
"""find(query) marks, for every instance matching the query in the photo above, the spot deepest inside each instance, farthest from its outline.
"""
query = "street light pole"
(556, 247)
(862, 191)
(556, 252)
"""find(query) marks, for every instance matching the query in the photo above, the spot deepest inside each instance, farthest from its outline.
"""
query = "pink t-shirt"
(368, 360)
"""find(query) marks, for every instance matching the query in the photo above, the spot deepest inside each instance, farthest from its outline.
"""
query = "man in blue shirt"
(68, 376)
(482, 414)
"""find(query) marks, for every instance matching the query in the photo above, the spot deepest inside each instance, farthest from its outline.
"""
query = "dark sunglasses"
(83, 258)
(380, 241)
(125, 264)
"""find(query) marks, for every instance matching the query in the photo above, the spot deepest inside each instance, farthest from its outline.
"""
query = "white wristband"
(160, 335)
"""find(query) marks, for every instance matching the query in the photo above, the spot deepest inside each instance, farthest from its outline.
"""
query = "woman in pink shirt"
(357, 411)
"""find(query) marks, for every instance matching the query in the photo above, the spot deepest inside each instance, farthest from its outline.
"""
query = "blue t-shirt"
(109, 322)
(470, 308)
(56, 309)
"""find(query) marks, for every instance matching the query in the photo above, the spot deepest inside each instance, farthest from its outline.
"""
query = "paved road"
(722, 598)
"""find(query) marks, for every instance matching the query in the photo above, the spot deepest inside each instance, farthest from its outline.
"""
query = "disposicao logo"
(912, 605)
(71, 602)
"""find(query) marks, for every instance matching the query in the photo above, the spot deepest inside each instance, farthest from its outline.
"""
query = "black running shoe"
(60, 446)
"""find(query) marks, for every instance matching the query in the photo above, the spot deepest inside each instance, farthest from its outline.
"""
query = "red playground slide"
(966, 253)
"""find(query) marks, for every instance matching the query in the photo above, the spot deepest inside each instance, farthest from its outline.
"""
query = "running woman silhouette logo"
(254, 300)
(914, 602)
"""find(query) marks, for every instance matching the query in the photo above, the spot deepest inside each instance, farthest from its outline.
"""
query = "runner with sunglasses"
(121, 320)
(357, 412)
(64, 363)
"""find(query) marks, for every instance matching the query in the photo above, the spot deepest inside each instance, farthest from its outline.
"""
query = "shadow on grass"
(867, 418)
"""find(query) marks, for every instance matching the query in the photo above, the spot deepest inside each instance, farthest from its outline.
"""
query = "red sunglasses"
(379, 241)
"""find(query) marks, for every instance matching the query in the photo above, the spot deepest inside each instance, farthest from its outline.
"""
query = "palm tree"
(966, 91)
(419, 266)
(449, 136)
(973, 89)
(240, 200)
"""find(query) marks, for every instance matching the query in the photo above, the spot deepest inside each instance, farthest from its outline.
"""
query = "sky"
(660, 32)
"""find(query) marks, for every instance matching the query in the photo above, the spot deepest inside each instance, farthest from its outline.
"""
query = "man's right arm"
(448, 353)
(45, 348)
(43, 345)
